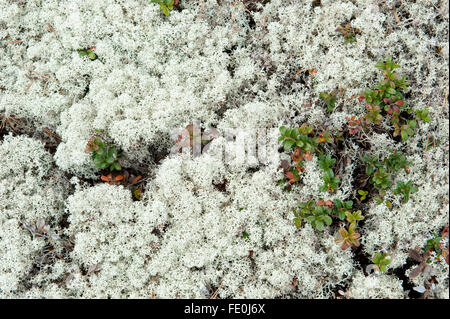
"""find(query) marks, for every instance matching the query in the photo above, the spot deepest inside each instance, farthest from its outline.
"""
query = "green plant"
(386, 100)
(303, 144)
(104, 156)
(405, 190)
(380, 172)
(330, 99)
(305, 210)
(348, 237)
(354, 217)
(396, 161)
(423, 115)
(88, 52)
(320, 217)
(407, 130)
(433, 244)
(348, 32)
(356, 124)
(381, 179)
(381, 261)
(165, 5)
(341, 208)
(331, 182)
(317, 216)
(363, 194)
(326, 162)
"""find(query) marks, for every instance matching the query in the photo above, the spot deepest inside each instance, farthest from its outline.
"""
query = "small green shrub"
(405, 190)
(303, 144)
(330, 99)
(354, 217)
(396, 161)
(165, 5)
(348, 32)
(331, 183)
(104, 156)
(363, 194)
(348, 237)
(317, 216)
(88, 52)
(423, 115)
(381, 261)
(341, 208)
(387, 100)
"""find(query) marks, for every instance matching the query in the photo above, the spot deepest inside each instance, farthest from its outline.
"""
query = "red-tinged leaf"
(290, 176)
(296, 157)
(320, 202)
(284, 164)
(355, 235)
(250, 253)
(329, 203)
(444, 232)
(400, 102)
(389, 111)
(308, 156)
(118, 178)
(361, 98)
(294, 282)
(105, 178)
(345, 245)
(343, 232)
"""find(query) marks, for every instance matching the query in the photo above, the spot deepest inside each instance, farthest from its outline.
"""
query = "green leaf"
(98, 161)
(288, 144)
(294, 134)
(391, 91)
(404, 135)
(319, 225)
(327, 219)
(91, 55)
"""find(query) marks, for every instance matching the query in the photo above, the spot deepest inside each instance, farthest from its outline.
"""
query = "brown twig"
(396, 15)
(42, 75)
(214, 295)
(12, 42)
